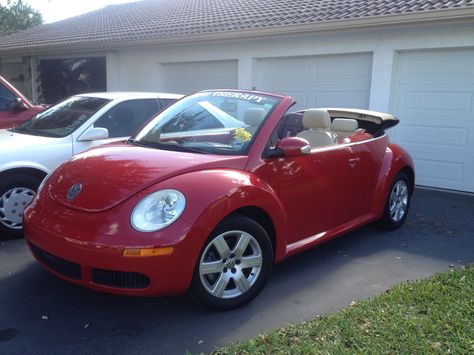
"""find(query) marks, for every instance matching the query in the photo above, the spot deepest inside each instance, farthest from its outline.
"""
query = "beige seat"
(343, 127)
(253, 117)
(317, 123)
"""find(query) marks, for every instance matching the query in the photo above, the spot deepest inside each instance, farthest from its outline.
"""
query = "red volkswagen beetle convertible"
(212, 192)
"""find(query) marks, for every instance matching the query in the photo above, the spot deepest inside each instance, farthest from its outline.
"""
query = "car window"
(166, 102)
(64, 118)
(218, 122)
(126, 117)
(6, 97)
(192, 119)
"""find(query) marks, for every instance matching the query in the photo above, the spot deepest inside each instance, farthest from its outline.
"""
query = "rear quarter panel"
(395, 160)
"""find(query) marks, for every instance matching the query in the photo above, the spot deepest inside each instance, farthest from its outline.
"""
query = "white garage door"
(434, 99)
(319, 81)
(189, 77)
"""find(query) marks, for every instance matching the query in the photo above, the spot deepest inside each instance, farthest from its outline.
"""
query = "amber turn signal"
(148, 251)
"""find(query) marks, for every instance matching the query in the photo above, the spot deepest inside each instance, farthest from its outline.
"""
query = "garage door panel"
(436, 103)
(447, 171)
(341, 98)
(452, 172)
(190, 77)
(434, 99)
(450, 137)
(438, 67)
(330, 80)
(357, 70)
(302, 97)
(295, 69)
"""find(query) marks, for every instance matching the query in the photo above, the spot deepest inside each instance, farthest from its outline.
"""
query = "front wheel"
(234, 264)
(16, 192)
(398, 203)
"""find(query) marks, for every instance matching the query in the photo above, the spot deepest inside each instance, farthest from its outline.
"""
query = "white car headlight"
(158, 210)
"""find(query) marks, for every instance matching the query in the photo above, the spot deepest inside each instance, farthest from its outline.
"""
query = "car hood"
(110, 174)
(15, 142)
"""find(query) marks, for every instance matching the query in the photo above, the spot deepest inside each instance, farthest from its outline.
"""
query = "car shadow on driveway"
(42, 314)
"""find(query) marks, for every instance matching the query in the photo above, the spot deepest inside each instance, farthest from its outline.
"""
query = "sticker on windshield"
(239, 95)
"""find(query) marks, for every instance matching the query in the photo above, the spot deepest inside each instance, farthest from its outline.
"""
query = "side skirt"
(311, 241)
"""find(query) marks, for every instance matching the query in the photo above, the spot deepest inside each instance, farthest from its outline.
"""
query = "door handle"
(353, 162)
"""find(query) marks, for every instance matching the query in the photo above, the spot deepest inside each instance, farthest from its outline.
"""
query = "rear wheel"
(234, 264)
(398, 203)
(16, 192)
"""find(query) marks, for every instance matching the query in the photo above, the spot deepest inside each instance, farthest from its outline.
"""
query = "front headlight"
(158, 210)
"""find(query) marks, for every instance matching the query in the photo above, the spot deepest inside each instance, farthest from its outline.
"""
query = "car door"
(8, 117)
(324, 189)
(308, 189)
(121, 121)
(364, 164)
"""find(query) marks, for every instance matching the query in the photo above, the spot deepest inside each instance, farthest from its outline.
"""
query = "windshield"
(64, 118)
(219, 122)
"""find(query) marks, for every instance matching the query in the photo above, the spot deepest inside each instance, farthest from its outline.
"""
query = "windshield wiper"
(35, 132)
(167, 146)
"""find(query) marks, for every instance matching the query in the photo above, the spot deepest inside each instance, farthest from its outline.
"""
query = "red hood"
(112, 173)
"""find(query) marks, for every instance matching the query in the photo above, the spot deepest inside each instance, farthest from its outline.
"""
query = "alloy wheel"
(230, 264)
(399, 200)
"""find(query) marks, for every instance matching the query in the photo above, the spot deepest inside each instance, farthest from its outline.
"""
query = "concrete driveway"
(40, 314)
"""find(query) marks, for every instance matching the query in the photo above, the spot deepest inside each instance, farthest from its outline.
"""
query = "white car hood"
(15, 142)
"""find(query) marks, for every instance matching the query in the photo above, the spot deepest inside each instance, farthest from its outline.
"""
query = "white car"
(32, 150)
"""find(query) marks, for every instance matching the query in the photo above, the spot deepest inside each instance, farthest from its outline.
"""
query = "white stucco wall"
(140, 68)
(143, 69)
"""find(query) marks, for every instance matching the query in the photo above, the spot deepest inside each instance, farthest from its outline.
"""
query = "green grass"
(435, 315)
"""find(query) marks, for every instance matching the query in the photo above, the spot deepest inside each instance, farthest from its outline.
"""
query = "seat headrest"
(254, 116)
(316, 118)
(344, 124)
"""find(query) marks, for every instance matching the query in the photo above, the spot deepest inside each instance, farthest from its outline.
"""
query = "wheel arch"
(396, 160)
(34, 171)
(213, 195)
(410, 173)
(260, 216)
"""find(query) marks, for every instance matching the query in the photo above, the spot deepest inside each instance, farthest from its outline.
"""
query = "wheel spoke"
(211, 267)
(242, 244)
(403, 191)
(222, 247)
(242, 283)
(393, 206)
(251, 261)
(400, 212)
(402, 207)
(220, 286)
(396, 190)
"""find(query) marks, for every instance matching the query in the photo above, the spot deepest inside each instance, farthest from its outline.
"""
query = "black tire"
(238, 269)
(16, 190)
(397, 204)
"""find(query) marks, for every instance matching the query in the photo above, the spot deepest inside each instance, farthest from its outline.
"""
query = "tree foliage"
(16, 15)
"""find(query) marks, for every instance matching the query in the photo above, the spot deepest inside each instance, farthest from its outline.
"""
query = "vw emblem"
(74, 190)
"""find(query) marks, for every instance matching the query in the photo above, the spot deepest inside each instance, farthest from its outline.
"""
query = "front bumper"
(84, 257)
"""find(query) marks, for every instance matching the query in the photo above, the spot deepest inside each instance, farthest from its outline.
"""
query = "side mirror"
(18, 105)
(94, 134)
(291, 147)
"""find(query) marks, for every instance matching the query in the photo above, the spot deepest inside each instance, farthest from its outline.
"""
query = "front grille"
(61, 266)
(120, 279)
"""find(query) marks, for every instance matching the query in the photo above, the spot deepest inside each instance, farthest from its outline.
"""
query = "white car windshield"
(219, 122)
(64, 118)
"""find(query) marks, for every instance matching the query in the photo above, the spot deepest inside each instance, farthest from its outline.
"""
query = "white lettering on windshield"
(239, 95)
